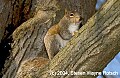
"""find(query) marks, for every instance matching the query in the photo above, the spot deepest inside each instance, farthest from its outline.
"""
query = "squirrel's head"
(73, 17)
(70, 23)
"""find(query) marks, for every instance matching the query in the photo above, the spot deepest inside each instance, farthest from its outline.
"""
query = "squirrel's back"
(53, 30)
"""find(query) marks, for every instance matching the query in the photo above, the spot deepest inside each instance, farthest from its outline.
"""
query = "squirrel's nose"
(80, 19)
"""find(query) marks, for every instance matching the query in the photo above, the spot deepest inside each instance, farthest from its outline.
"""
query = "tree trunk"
(28, 37)
(12, 14)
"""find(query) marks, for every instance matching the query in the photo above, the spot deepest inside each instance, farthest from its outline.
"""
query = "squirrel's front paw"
(74, 33)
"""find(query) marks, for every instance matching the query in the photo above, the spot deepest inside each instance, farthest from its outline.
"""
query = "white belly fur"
(73, 27)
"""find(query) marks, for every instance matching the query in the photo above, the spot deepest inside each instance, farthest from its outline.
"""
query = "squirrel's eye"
(71, 15)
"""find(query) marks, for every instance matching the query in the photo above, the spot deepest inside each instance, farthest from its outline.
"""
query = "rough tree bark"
(12, 14)
(28, 38)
